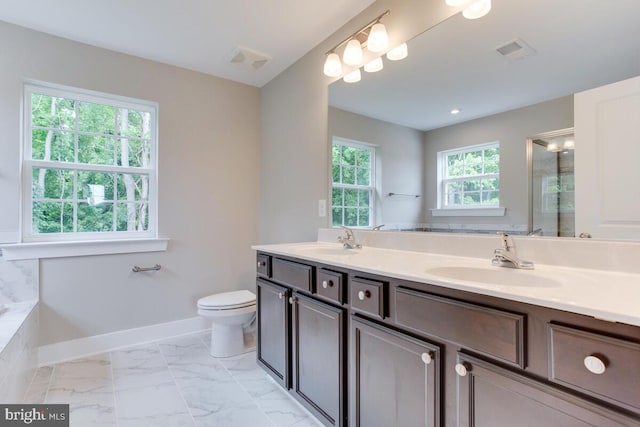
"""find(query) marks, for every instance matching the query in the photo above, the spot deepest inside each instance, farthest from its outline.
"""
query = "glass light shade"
(553, 146)
(378, 40)
(373, 66)
(353, 53)
(398, 53)
(569, 144)
(333, 66)
(353, 76)
(477, 9)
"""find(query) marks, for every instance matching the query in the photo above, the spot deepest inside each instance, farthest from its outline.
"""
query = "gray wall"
(295, 167)
(209, 161)
(512, 129)
(400, 164)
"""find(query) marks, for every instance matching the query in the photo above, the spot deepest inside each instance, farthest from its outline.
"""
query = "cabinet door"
(492, 396)
(273, 330)
(394, 378)
(318, 343)
(607, 131)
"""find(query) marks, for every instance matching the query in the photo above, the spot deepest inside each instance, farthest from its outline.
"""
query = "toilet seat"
(227, 301)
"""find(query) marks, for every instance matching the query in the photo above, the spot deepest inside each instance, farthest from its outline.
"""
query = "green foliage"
(469, 178)
(80, 199)
(351, 166)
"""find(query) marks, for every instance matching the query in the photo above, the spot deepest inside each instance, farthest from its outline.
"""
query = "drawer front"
(264, 265)
(573, 352)
(296, 275)
(330, 285)
(495, 333)
(367, 296)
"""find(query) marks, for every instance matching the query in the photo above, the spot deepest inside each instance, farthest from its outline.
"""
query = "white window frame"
(372, 182)
(27, 235)
(463, 210)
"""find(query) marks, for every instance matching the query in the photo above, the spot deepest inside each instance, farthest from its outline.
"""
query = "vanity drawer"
(367, 296)
(294, 274)
(264, 265)
(331, 285)
(576, 357)
(492, 332)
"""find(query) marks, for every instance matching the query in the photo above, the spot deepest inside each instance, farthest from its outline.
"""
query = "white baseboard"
(83, 347)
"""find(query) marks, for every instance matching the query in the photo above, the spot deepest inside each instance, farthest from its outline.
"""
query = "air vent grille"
(515, 49)
(249, 58)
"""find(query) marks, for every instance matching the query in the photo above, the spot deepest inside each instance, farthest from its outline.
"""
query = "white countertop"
(607, 295)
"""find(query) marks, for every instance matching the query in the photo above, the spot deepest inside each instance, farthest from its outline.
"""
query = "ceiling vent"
(515, 49)
(249, 58)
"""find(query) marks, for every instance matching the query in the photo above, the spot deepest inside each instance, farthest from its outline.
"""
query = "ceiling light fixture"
(374, 38)
(473, 9)
(398, 52)
(455, 111)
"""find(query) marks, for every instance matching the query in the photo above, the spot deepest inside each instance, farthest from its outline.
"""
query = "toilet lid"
(228, 300)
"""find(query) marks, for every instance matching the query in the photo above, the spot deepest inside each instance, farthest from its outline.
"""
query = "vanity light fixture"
(553, 147)
(372, 36)
(353, 53)
(374, 66)
(332, 66)
(353, 77)
(398, 52)
(569, 144)
(473, 9)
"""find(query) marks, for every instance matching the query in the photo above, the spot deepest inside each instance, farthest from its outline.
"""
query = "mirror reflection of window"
(470, 176)
(353, 183)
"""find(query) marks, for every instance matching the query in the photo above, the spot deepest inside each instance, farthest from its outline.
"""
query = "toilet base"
(226, 340)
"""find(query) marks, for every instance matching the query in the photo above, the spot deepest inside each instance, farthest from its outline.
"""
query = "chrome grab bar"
(137, 269)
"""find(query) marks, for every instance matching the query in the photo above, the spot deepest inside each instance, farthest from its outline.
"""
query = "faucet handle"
(506, 240)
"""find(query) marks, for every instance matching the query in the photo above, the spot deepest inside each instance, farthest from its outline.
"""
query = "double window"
(353, 183)
(89, 165)
(469, 177)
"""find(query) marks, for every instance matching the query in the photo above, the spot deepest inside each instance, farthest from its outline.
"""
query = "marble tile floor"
(169, 383)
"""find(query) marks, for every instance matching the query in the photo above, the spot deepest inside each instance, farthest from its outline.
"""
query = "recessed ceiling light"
(454, 110)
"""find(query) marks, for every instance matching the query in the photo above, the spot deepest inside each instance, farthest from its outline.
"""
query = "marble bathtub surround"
(18, 281)
(170, 383)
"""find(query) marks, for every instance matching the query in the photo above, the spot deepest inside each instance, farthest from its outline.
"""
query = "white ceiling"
(579, 44)
(200, 35)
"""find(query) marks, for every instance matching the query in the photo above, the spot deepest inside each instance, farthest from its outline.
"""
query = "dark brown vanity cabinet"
(301, 339)
(425, 355)
(273, 330)
(490, 396)
(394, 379)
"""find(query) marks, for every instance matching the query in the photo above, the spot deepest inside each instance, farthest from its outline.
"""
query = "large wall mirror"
(512, 75)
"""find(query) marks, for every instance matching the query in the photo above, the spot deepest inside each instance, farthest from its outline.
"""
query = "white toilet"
(228, 311)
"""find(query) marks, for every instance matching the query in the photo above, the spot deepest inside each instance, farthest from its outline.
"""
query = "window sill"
(19, 251)
(469, 212)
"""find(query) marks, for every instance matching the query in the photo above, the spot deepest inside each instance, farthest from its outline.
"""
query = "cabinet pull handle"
(327, 284)
(363, 294)
(427, 357)
(280, 295)
(462, 369)
(292, 300)
(261, 264)
(595, 364)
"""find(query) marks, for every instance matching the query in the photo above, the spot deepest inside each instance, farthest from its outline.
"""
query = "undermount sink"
(495, 276)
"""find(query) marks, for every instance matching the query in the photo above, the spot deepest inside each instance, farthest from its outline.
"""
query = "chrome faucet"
(378, 227)
(349, 242)
(506, 255)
